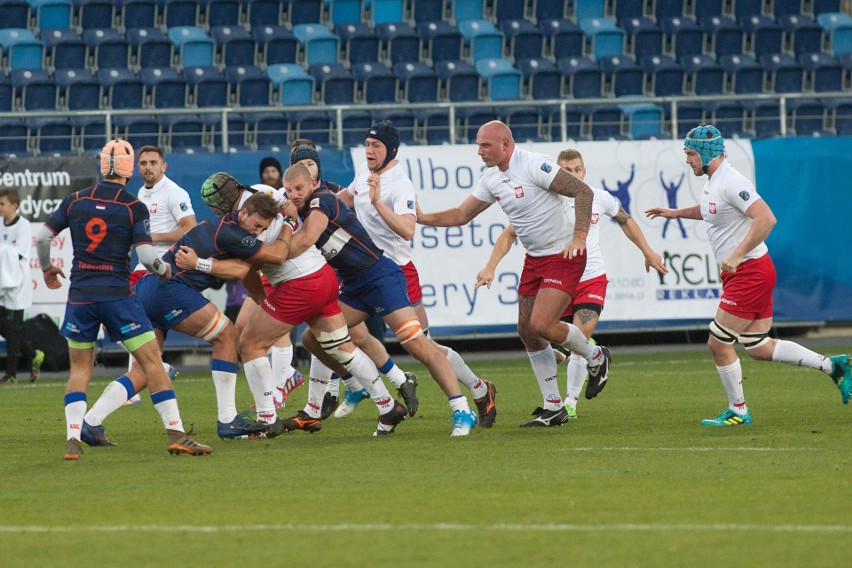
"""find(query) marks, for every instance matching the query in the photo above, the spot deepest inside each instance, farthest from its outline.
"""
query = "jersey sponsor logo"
(335, 243)
(595, 218)
(71, 328)
(519, 192)
(745, 195)
(133, 326)
(552, 281)
(711, 207)
(546, 167)
(173, 314)
(505, 181)
(249, 241)
(727, 301)
(184, 206)
(314, 202)
(596, 297)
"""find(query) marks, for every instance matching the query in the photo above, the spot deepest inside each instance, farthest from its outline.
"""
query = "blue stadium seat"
(180, 13)
(355, 124)
(52, 14)
(403, 120)
(464, 10)
(786, 7)
(360, 43)
(236, 46)
(744, 73)
(685, 37)
(222, 13)
(192, 45)
(838, 26)
(336, 84)
(704, 74)
(376, 83)
(764, 117)
(109, 49)
(469, 119)
(604, 122)
(726, 36)
(460, 79)
(822, 6)
(184, 133)
(269, 131)
(316, 126)
(237, 133)
(482, 38)
(629, 9)
(318, 42)
(264, 13)
(34, 88)
(150, 46)
(428, 10)
(623, 75)
(121, 89)
(605, 38)
(418, 81)
(6, 96)
(763, 35)
(574, 122)
(504, 10)
(584, 9)
(808, 117)
(501, 80)
(525, 123)
(14, 137)
(21, 49)
(689, 115)
(747, 8)
(64, 49)
(434, 124)
(667, 8)
(564, 38)
(644, 37)
(138, 14)
(139, 130)
(53, 136)
(845, 60)
(294, 85)
(94, 14)
(784, 74)
(402, 44)
(666, 76)
(16, 13)
(347, 11)
(89, 131)
(803, 34)
(387, 11)
(550, 10)
(727, 116)
(707, 8)
(842, 117)
(584, 77)
(249, 85)
(443, 42)
(277, 43)
(78, 89)
(206, 86)
(543, 80)
(524, 39)
(823, 72)
(166, 88)
(300, 12)
(643, 120)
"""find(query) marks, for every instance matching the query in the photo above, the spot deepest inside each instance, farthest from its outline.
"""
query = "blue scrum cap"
(707, 141)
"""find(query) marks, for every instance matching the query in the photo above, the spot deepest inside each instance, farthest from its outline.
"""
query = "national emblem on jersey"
(745, 195)
(314, 202)
(711, 207)
(184, 206)
(546, 167)
(595, 218)
(249, 241)
(519, 192)
(152, 208)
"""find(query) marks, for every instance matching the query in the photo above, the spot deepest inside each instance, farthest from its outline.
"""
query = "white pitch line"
(687, 449)
(447, 527)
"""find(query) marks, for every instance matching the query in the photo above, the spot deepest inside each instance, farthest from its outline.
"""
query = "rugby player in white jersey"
(586, 307)
(531, 190)
(738, 223)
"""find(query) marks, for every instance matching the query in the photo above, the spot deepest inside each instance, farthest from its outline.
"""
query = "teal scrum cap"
(707, 141)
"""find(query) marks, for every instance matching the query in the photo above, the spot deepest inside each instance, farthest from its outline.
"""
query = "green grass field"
(635, 481)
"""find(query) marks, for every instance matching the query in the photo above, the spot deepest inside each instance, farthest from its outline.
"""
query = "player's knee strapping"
(723, 334)
(753, 340)
(408, 330)
(217, 323)
(331, 342)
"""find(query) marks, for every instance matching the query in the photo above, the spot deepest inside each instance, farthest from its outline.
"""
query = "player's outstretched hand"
(660, 212)
(51, 277)
(484, 278)
(186, 259)
(655, 261)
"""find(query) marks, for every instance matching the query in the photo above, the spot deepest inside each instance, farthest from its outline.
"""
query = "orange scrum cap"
(117, 159)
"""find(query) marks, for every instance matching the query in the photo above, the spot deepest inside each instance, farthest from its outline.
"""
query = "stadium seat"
(434, 124)
(605, 38)
(269, 131)
(727, 116)
(264, 13)
(34, 89)
(184, 133)
(744, 73)
(845, 60)
(525, 123)
(550, 10)
(192, 45)
(584, 77)
(838, 26)
(52, 14)
(443, 42)
(465, 10)
(707, 8)
(6, 95)
(666, 8)
(150, 46)
(643, 120)
(764, 117)
(469, 119)
(21, 49)
(704, 75)
(336, 84)
(689, 115)
(786, 7)
(402, 44)
(418, 81)
(460, 79)
(294, 85)
(354, 125)
(121, 89)
(747, 8)
(222, 13)
(584, 9)
(684, 36)
(206, 86)
(842, 117)
(644, 37)
(784, 74)
(348, 11)
(822, 6)
(604, 122)
(14, 137)
(726, 36)
(803, 34)
(525, 41)
(505, 10)
(429, 10)
(166, 88)
(316, 126)
(387, 11)
(807, 117)
(78, 89)
(763, 35)
(318, 43)
(629, 9)
(484, 41)
(64, 49)
(180, 13)
(403, 120)
(623, 75)
(138, 14)
(563, 38)
(108, 48)
(139, 130)
(235, 45)
(94, 14)
(237, 133)
(277, 44)
(376, 83)
(542, 79)
(249, 85)
(823, 73)
(360, 43)
(53, 136)
(89, 132)
(574, 123)
(666, 77)
(16, 14)
(300, 12)
(501, 80)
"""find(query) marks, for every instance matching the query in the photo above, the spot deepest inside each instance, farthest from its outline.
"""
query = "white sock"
(167, 406)
(317, 387)
(466, 375)
(394, 374)
(576, 342)
(259, 376)
(366, 374)
(74, 412)
(732, 380)
(459, 403)
(226, 395)
(113, 398)
(281, 359)
(544, 368)
(576, 378)
(794, 354)
(320, 370)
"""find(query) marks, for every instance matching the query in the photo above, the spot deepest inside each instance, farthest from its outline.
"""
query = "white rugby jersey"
(398, 195)
(542, 218)
(726, 196)
(19, 236)
(604, 204)
(167, 203)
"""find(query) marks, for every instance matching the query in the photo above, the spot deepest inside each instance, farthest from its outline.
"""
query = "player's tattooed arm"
(567, 184)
